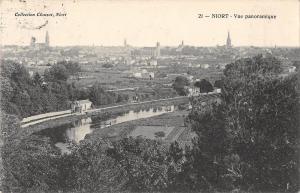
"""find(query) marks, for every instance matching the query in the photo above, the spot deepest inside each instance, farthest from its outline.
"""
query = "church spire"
(47, 39)
(228, 42)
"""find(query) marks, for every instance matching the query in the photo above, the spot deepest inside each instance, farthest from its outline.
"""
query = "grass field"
(171, 123)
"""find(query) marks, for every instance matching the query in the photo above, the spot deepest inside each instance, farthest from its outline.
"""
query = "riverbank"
(140, 105)
(175, 120)
(104, 112)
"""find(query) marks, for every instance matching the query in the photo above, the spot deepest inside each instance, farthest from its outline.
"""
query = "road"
(135, 104)
(123, 89)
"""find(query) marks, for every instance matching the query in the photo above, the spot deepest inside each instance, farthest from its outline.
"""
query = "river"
(76, 131)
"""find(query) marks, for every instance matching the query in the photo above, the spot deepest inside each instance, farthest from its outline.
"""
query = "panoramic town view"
(159, 118)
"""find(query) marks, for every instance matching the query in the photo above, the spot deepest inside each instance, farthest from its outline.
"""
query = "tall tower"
(47, 43)
(228, 42)
(125, 43)
(157, 50)
(32, 41)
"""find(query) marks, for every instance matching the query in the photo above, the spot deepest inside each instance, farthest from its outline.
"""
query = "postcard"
(149, 96)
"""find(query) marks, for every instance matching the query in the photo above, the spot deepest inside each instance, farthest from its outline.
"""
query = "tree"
(255, 128)
(175, 158)
(179, 85)
(204, 85)
(142, 163)
(159, 134)
(107, 65)
(204, 168)
(90, 169)
(57, 72)
(122, 98)
(262, 119)
(37, 79)
(100, 97)
(25, 96)
(218, 84)
(297, 65)
(175, 152)
(29, 162)
(72, 67)
(253, 66)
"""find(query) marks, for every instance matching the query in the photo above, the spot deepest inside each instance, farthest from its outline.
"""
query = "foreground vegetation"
(248, 142)
(24, 95)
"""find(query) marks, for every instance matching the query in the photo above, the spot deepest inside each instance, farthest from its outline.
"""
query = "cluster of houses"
(143, 74)
(140, 73)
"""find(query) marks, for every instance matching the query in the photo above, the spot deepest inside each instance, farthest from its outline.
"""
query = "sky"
(145, 22)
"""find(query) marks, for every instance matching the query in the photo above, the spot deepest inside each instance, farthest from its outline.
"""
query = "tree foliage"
(62, 71)
(204, 85)
(179, 85)
(29, 163)
(218, 84)
(250, 141)
(107, 65)
(24, 96)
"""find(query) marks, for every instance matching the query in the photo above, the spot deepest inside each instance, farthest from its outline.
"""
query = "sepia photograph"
(149, 96)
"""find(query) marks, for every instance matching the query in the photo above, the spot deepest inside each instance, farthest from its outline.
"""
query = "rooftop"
(84, 101)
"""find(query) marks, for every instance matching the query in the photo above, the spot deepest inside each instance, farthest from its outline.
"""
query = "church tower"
(228, 42)
(32, 41)
(125, 43)
(157, 50)
(47, 43)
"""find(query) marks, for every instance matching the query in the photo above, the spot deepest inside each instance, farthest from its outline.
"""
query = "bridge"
(38, 119)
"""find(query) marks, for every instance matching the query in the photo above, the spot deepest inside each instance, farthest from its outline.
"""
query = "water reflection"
(74, 132)
(80, 129)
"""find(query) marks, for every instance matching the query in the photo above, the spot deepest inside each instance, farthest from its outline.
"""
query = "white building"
(204, 66)
(81, 106)
(194, 91)
(143, 74)
(152, 62)
(292, 69)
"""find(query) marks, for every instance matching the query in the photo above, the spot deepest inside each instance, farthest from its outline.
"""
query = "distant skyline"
(143, 23)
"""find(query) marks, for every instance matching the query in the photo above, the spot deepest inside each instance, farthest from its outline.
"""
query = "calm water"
(74, 132)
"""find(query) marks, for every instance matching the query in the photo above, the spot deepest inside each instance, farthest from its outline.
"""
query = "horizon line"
(162, 46)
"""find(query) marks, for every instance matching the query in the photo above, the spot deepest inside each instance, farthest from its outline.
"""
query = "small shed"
(81, 106)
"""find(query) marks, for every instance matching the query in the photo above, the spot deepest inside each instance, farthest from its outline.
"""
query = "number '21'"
(200, 15)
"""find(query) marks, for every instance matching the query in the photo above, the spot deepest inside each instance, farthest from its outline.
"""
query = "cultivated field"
(172, 124)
